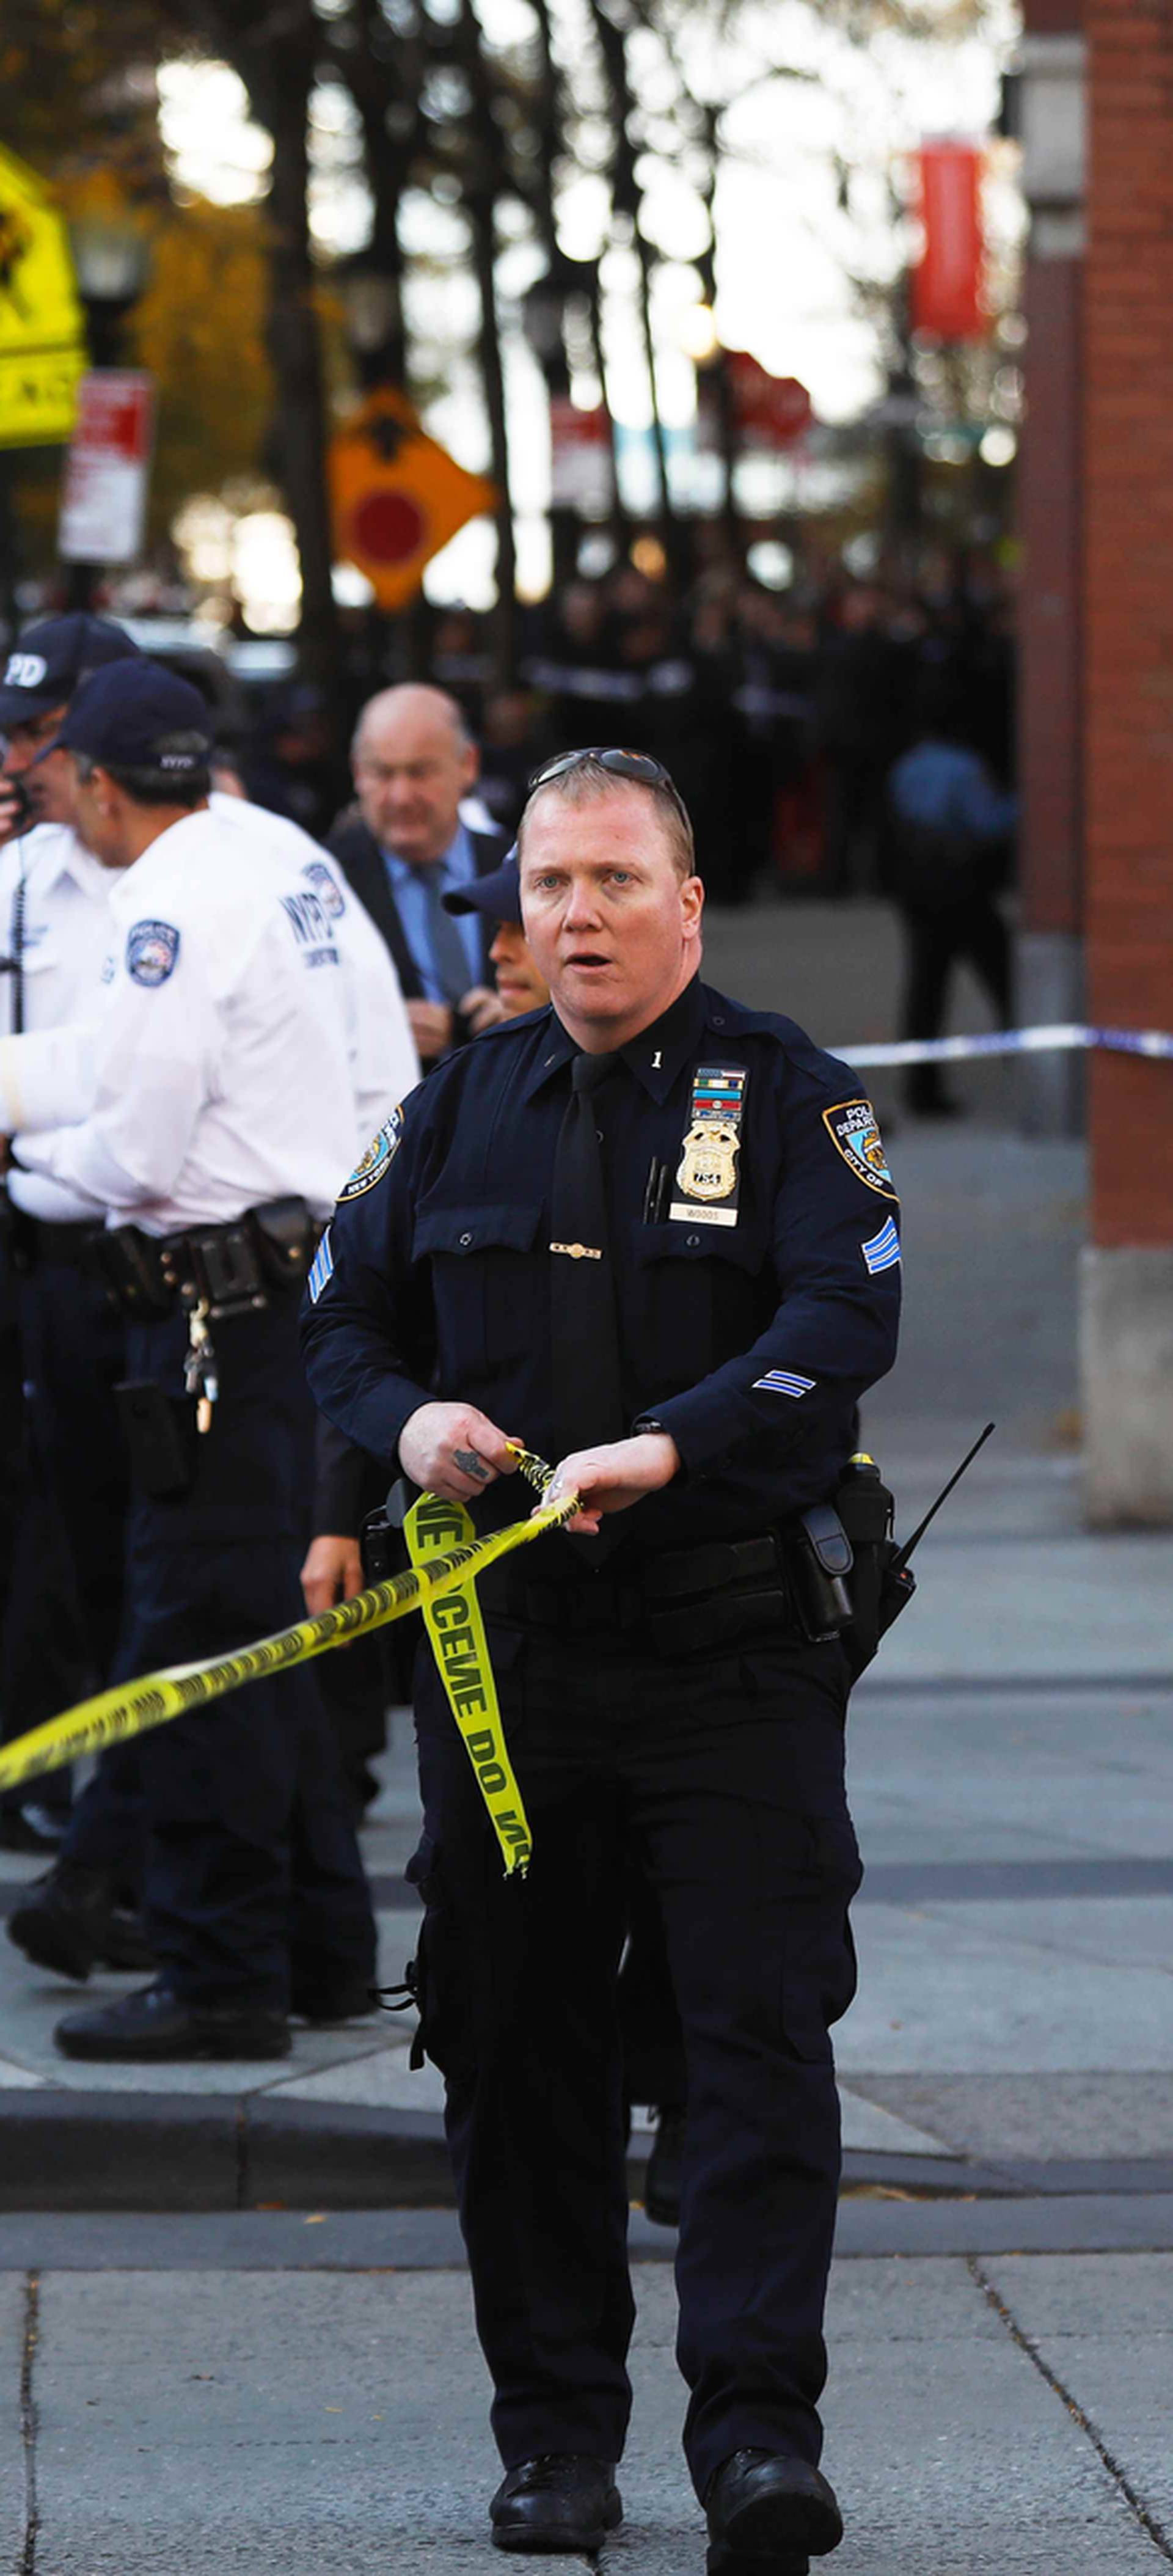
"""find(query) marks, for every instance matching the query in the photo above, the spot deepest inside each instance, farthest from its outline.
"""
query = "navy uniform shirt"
(758, 1296)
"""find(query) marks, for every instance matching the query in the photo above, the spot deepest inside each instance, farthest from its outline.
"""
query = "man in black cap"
(54, 937)
(221, 1110)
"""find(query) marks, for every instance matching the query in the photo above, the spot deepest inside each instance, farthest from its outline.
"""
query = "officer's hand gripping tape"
(113, 1716)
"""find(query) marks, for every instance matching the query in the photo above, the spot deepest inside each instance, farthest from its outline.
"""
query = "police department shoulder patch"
(326, 888)
(377, 1160)
(854, 1133)
(151, 951)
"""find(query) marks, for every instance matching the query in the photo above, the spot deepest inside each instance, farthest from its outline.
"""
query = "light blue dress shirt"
(456, 868)
(948, 788)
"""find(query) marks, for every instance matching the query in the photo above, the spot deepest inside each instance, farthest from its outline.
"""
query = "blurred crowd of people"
(780, 714)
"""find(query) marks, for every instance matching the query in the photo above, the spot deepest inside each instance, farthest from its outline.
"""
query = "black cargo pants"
(723, 1777)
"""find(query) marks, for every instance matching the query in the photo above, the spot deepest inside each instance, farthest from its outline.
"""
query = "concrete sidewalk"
(1004, 2417)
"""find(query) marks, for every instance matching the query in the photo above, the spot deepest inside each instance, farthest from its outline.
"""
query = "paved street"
(243, 2386)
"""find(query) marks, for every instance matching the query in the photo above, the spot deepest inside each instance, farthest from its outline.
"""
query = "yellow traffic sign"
(397, 495)
(42, 329)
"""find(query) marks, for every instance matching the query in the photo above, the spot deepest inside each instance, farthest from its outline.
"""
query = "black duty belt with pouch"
(232, 1268)
(835, 1572)
(211, 1272)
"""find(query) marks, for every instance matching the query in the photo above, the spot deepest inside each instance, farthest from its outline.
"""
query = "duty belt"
(210, 1271)
(231, 1268)
(34, 1240)
(683, 1601)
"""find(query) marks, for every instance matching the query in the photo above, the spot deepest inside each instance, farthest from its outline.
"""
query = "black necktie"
(588, 1398)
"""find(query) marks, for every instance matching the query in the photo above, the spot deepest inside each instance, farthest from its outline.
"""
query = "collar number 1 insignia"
(708, 1180)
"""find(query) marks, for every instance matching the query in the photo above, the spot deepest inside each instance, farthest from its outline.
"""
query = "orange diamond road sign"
(396, 495)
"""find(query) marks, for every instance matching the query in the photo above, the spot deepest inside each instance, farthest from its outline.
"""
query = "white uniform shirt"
(54, 911)
(222, 1050)
(384, 1062)
(48, 1076)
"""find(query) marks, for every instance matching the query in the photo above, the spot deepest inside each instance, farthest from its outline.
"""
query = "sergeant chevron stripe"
(785, 1382)
(882, 1250)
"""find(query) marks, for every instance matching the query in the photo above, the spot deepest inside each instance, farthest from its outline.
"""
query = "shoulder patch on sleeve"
(855, 1134)
(151, 951)
(326, 887)
(377, 1160)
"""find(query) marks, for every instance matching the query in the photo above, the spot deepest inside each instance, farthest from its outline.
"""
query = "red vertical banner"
(947, 285)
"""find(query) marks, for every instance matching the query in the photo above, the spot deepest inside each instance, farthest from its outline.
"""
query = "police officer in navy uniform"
(652, 1234)
(220, 1111)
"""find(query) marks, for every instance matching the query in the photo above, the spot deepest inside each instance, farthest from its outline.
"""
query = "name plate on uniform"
(708, 1179)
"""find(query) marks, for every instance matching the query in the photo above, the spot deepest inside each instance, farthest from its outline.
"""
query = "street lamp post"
(112, 259)
(543, 308)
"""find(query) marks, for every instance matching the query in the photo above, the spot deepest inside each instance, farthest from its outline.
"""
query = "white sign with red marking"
(104, 488)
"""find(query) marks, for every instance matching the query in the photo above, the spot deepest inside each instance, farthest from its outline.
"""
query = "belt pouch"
(381, 1548)
(819, 1560)
(227, 1268)
(726, 1618)
(285, 1239)
(159, 1431)
(132, 1265)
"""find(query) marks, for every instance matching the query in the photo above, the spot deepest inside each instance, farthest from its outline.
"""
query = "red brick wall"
(1128, 465)
(1049, 683)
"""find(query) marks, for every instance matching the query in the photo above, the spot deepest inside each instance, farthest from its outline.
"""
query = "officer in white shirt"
(63, 897)
(383, 1059)
(55, 917)
(222, 1120)
(65, 1342)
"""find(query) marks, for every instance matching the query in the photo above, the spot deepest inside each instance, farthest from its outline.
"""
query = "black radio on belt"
(818, 1560)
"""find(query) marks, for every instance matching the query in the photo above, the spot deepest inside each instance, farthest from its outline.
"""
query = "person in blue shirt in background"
(952, 832)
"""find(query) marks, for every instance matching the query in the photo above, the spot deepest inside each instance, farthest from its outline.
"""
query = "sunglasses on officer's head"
(636, 765)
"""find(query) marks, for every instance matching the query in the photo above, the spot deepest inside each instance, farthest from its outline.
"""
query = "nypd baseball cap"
(50, 660)
(498, 895)
(127, 715)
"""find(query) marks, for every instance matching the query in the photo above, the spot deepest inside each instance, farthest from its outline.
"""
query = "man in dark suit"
(404, 846)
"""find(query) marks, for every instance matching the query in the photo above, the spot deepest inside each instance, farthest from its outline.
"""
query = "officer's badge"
(855, 1134)
(377, 1160)
(707, 1177)
(708, 1168)
(151, 950)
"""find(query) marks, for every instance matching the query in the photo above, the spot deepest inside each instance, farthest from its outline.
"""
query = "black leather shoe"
(769, 2514)
(564, 2500)
(327, 2005)
(157, 2024)
(663, 2172)
(69, 1922)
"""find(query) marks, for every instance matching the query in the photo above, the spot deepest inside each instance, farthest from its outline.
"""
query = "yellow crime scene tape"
(456, 1634)
(457, 1639)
